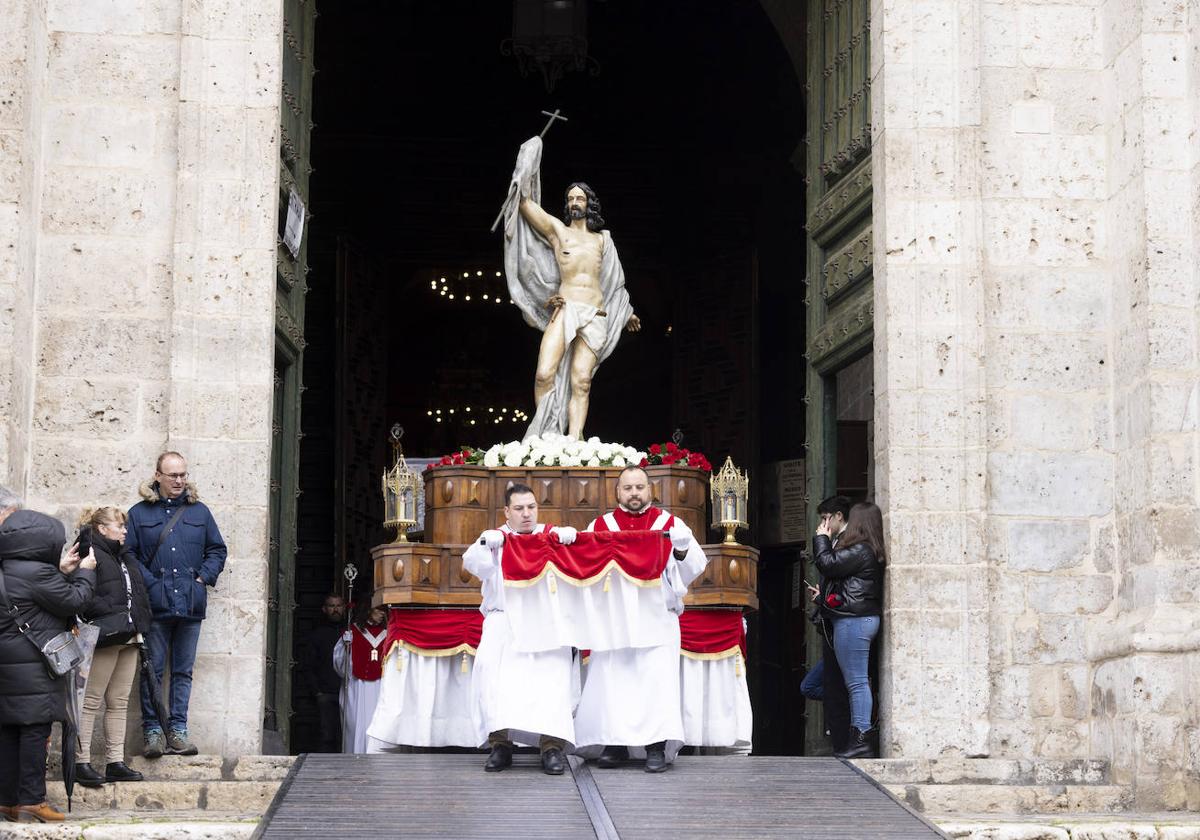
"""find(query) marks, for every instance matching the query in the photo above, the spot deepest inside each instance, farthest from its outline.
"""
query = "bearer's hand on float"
(681, 538)
(493, 539)
(566, 535)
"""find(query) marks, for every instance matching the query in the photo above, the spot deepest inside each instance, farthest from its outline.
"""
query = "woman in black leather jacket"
(121, 609)
(851, 601)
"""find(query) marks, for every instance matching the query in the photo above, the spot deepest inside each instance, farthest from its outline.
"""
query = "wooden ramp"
(449, 796)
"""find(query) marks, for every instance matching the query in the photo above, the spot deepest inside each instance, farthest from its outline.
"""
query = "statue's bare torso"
(579, 253)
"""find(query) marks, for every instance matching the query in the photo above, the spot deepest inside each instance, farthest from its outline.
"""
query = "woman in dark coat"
(851, 601)
(30, 699)
(121, 610)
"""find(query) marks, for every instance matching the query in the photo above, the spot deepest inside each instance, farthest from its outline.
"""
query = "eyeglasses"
(175, 476)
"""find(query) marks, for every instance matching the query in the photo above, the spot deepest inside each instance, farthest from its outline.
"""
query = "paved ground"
(450, 796)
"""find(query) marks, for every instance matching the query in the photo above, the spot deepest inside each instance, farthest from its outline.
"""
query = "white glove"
(566, 535)
(348, 636)
(681, 537)
(493, 539)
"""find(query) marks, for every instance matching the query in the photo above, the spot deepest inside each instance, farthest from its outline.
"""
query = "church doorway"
(687, 120)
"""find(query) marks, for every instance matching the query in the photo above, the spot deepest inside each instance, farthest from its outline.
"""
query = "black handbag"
(60, 651)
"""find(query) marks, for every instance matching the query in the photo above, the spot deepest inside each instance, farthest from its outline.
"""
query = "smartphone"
(84, 544)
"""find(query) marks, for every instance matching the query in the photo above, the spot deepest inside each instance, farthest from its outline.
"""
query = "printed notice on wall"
(783, 512)
(293, 231)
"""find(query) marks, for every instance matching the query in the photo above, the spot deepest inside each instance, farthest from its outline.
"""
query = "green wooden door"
(839, 296)
(291, 287)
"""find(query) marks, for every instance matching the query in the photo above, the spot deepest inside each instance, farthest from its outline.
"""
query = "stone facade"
(138, 172)
(1037, 419)
(1037, 218)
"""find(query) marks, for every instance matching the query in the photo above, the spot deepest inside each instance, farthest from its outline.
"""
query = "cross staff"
(555, 116)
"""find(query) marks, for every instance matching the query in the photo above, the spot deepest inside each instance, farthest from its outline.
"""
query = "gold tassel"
(607, 585)
(400, 659)
(463, 669)
(737, 664)
(553, 584)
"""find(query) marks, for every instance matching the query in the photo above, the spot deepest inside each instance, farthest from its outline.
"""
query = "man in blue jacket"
(181, 551)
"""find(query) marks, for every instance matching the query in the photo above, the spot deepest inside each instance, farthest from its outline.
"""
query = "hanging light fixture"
(550, 36)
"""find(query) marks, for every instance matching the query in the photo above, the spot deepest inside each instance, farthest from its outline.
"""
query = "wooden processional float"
(462, 501)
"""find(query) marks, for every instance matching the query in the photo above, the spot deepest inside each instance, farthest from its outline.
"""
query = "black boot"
(612, 757)
(500, 759)
(860, 745)
(656, 757)
(554, 763)
(86, 775)
(118, 772)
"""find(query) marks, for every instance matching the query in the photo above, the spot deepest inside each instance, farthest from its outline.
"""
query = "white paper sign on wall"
(293, 231)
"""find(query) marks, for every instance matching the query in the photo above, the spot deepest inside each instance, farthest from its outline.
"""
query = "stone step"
(128, 826)
(251, 798)
(206, 768)
(1012, 799)
(1168, 826)
(1006, 771)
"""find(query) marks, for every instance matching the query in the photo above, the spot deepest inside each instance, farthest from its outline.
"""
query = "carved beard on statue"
(578, 213)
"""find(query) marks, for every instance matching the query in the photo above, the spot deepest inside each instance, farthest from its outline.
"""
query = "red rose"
(429, 466)
(446, 461)
(655, 449)
(645, 462)
(458, 458)
(672, 448)
(669, 459)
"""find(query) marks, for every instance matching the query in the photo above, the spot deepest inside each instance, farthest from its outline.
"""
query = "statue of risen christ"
(567, 280)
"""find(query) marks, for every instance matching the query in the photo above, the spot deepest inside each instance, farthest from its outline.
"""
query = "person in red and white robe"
(518, 697)
(630, 700)
(358, 660)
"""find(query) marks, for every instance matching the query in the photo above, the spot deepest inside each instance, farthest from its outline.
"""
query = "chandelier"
(550, 36)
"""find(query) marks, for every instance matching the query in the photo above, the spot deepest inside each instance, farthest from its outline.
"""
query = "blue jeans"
(813, 684)
(852, 638)
(181, 636)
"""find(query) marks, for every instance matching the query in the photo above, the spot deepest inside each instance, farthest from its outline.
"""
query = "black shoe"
(612, 757)
(118, 772)
(656, 757)
(554, 763)
(87, 776)
(860, 746)
(500, 759)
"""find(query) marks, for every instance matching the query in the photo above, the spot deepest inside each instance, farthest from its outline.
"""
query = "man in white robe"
(358, 661)
(517, 697)
(630, 698)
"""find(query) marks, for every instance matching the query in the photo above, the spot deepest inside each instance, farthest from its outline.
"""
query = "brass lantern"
(401, 487)
(730, 491)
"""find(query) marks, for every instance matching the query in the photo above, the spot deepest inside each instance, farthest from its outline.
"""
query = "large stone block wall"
(138, 174)
(1036, 372)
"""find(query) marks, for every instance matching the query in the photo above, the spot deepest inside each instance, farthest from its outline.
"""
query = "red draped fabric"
(362, 664)
(711, 631)
(445, 631)
(639, 555)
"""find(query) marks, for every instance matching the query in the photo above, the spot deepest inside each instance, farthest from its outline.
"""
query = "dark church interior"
(686, 119)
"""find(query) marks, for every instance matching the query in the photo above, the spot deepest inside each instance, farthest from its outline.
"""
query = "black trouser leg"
(836, 700)
(10, 763)
(23, 764)
(331, 722)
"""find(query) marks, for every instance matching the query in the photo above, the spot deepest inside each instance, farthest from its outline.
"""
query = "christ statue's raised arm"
(541, 221)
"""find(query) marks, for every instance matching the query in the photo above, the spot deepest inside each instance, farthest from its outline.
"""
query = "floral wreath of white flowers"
(554, 450)
(548, 450)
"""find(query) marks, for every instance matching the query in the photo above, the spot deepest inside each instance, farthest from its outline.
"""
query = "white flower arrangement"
(554, 450)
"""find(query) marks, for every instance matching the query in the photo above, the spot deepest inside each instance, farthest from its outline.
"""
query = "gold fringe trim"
(736, 650)
(463, 649)
(609, 567)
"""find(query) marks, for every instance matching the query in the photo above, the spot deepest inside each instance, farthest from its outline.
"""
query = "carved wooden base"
(462, 501)
(419, 574)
